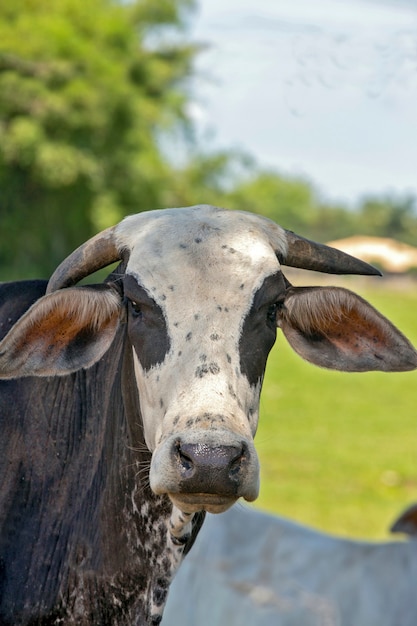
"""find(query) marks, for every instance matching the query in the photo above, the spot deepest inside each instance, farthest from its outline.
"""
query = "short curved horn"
(310, 255)
(97, 252)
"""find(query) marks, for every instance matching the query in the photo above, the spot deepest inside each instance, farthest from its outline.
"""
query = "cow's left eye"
(136, 308)
(273, 312)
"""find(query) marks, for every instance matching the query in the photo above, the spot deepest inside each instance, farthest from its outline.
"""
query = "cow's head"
(203, 292)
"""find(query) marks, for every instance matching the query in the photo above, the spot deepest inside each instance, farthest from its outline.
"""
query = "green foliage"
(390, 217)
(84, 96)
(233, 180)
(289, 202)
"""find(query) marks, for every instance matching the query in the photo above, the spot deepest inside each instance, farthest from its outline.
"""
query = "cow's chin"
(194, 502)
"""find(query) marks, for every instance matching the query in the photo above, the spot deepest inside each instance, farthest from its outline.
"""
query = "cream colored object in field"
(393, 256)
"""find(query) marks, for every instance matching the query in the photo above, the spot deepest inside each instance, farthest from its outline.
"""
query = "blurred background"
(303, 112)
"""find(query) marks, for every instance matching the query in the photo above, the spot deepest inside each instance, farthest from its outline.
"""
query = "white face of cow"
(202, 287)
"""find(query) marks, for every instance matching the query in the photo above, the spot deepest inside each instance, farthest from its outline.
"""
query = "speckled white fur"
(202, 265)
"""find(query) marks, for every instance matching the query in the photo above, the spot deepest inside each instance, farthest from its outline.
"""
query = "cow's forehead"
(216, 246)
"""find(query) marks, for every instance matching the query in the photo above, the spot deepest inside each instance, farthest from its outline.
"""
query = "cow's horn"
(309, 255)
(97, 252)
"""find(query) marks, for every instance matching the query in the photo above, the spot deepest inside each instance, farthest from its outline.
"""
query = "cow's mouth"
(194, 502)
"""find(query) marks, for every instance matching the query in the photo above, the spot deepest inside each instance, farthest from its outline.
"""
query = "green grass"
(339, 451)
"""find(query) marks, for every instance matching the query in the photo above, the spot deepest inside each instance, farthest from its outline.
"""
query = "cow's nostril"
(186, 462)
(237, 461)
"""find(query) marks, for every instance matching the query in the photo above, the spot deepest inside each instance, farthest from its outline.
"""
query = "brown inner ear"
(61, 332)
(55, 332)
(349, 330)
(334, 328)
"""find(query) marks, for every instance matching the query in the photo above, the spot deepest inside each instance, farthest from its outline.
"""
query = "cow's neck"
(140, 540)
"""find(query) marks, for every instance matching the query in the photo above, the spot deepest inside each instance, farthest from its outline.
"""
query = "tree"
(86, 90)
(389, 216)
(290, 202)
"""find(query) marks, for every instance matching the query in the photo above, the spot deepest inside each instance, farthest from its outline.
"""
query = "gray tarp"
(256, 569)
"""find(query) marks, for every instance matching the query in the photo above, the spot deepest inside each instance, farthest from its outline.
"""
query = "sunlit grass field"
(339, 451)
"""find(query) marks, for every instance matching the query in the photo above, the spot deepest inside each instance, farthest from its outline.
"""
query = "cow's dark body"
(76, 543)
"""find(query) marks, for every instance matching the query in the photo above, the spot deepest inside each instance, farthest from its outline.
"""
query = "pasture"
(339, 451)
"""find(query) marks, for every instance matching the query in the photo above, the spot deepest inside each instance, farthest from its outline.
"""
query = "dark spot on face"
(188, 336)
(229, 358)
(183, 246)
(207, 368)
(219, 308)
(258, 330)
(176, 324)
(148, 332)
(171, 287)
(212, 419)
(179, 353)
(203, 358)
(163, 297)
(232, 250)
(196, 316)
(176, 420)
(214, 337)
(242, 286)
(161, 403)
(201, 371)
(198, 240)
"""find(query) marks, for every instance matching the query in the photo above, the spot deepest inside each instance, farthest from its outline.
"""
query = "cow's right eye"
(136, 308)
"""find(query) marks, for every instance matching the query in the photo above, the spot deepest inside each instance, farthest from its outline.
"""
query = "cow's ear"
(334, 328)
(62, 332)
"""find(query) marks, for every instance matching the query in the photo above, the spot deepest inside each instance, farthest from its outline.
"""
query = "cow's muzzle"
(206, 471)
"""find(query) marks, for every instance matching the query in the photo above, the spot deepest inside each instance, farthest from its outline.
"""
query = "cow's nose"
(208, 468)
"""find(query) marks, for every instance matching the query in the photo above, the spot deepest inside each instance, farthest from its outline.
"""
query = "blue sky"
(326, 89)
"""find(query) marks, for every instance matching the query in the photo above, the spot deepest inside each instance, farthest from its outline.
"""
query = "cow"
(128, 408)
(250, 567)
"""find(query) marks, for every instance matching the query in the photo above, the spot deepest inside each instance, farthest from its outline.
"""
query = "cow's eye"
(136, 308)
(273, 310)
(272, 313)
